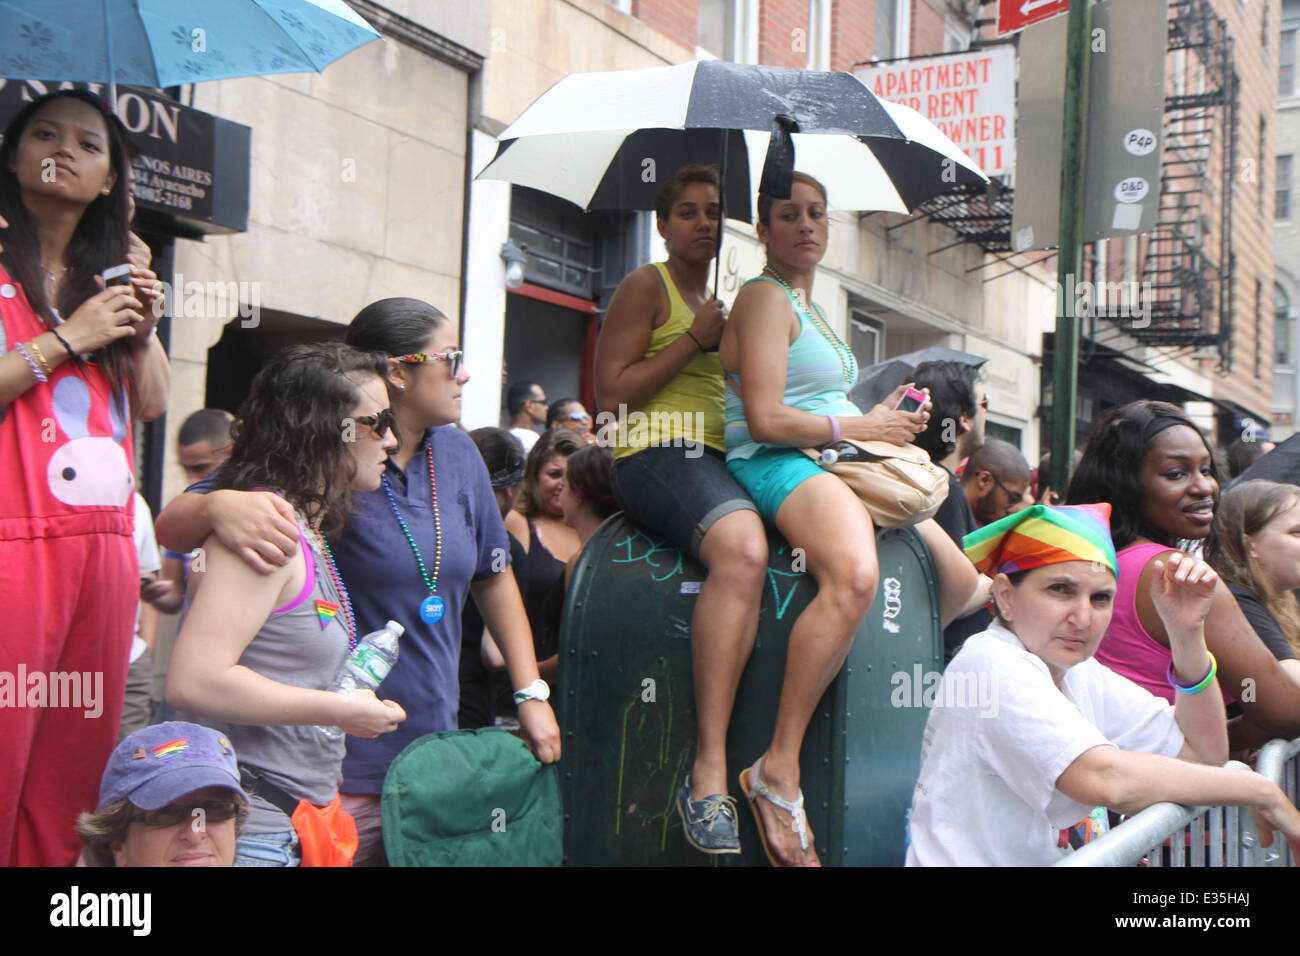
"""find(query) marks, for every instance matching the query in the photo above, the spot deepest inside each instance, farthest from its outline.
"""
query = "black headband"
(504, 478)
(1159, 424)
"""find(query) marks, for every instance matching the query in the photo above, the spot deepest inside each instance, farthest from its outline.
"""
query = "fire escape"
(1186, 261)
(1188, 257)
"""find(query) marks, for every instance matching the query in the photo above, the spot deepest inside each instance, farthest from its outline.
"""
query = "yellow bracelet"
(36, 350)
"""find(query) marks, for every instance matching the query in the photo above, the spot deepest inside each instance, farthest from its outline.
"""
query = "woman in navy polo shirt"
(400, 556)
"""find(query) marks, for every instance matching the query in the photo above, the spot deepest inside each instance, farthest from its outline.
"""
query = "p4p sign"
(1015, 15)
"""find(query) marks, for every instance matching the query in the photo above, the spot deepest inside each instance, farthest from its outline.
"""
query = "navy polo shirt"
(384, 583)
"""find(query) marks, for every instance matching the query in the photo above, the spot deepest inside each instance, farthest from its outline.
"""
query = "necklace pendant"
(432, 609)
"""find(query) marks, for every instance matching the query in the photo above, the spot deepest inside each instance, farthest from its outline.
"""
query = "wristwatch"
(537, 690)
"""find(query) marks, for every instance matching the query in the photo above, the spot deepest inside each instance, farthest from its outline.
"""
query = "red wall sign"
(1015, 15)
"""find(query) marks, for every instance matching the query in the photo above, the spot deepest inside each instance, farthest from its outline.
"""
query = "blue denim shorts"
(268, 849)
(678, 497)
(771, 474)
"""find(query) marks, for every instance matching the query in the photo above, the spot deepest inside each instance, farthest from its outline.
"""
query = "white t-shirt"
(987, 793)
(527, 437)
(146, 547)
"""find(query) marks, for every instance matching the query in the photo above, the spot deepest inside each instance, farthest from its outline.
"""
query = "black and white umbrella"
(607, 140)
(876, 382)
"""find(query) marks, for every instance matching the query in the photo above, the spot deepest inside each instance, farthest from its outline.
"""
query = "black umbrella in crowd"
(876, 382)
(1282, 464)
(608, 140)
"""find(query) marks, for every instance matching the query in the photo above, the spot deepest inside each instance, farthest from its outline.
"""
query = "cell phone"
(911, 400)
(118, 275)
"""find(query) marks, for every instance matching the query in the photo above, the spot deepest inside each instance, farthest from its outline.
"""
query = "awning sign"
(969, 96)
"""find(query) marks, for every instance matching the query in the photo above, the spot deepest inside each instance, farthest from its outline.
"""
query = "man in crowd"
(569, 413)
(202, 444)
(526, 404)
(994, 481)
(955, 429)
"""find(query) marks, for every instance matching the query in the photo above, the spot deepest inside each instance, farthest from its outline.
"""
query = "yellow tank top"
(689, 408)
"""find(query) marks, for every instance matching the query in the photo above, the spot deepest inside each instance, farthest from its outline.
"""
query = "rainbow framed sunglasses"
(454, 356)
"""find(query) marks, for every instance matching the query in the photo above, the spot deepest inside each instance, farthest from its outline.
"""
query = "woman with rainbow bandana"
(1048, 733)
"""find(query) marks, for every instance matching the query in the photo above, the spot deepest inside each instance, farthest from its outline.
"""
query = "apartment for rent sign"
(970, 96)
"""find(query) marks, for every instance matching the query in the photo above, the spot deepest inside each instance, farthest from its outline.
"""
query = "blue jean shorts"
(268, 849)
(678, 497)
(771, 474)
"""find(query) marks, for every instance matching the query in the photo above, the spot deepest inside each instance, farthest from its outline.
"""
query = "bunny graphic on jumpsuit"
(69, 578)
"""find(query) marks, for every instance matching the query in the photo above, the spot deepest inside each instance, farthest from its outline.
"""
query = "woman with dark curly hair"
(78, 364)
(1151, 463)
(259, 653)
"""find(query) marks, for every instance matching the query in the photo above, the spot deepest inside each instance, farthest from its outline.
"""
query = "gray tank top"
(301, 645)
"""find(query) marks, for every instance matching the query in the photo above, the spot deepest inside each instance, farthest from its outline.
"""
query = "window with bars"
(557, 242)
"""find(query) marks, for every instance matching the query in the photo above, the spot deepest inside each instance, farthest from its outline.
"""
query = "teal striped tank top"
(814, 381)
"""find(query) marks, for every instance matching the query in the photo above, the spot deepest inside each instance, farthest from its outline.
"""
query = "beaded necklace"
(842, 351)
(432, 608)
(349, 621)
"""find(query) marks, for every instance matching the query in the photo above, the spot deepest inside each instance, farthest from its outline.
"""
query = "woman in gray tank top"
(258, 653)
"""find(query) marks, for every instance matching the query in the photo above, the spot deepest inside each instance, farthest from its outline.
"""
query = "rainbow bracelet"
(1197, 687)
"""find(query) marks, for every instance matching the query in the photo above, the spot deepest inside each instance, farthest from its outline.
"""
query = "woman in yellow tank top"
(657, 370)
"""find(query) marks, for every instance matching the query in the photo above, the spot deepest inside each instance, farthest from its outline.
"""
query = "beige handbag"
(897, 484)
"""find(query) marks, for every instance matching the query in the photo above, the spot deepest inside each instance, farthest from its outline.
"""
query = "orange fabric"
(328, 834)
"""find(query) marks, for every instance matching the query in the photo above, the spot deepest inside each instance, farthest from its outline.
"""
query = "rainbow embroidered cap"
(1041, 535)
(159, 764)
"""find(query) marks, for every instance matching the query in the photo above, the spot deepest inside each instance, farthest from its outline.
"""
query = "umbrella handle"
(722, 214)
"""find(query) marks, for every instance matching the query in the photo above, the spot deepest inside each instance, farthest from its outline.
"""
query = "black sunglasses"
(1014, 496)
(213, 811)
(379, 423)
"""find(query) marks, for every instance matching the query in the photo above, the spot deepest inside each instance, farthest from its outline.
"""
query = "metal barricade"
(1167, 834)
(1277, 760)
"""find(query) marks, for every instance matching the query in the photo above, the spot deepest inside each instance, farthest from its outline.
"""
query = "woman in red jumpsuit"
(78, 362)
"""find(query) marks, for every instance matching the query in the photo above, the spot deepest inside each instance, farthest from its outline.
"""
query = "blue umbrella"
(159, 43)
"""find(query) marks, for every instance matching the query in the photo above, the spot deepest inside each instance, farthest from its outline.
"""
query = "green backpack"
(471, 798)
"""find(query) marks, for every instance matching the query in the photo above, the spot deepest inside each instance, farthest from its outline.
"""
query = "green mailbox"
(626, 706)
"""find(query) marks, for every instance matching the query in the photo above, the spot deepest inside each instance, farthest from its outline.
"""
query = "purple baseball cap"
(154, 766)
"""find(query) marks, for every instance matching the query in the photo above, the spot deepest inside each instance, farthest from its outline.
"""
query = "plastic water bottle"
(367, 666)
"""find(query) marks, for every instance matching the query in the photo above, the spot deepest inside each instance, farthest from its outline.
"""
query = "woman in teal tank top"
(788, 376)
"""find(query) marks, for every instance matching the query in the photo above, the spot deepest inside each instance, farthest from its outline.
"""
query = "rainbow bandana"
(1041, 535)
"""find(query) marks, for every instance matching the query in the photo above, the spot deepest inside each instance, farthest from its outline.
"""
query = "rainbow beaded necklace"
(349, 620)
(433, 607)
